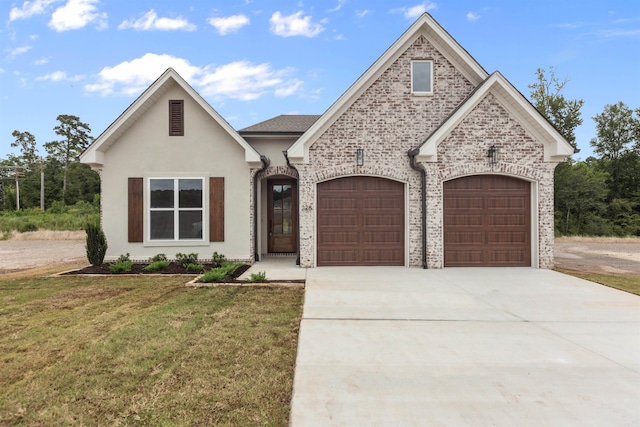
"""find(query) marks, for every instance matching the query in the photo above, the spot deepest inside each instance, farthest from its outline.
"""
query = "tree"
(617, 128)
(562, 113)
(580, 191)
(27, 143)
(75, 139)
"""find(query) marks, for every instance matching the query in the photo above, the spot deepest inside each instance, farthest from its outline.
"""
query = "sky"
(256, 59)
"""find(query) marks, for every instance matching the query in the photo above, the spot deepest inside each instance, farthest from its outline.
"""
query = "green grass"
(63, 218)
(145, 351)
(629, 284)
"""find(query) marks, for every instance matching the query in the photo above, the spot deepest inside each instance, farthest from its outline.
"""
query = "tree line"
(598, 196)
(66, 181)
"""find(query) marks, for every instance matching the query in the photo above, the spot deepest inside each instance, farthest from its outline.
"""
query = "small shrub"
(195, 268)
(159, 257)
(259, 277)
(219, 274)
(120, 266)
(96, 244)
(157, 266)
(124, 258)
(218, 259)
(27, 226)
(185, 259)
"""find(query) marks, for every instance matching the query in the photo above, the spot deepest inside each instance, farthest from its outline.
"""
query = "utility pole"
(18, 172)
(41, 186)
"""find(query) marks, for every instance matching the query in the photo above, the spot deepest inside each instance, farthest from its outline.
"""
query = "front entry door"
(282, 206)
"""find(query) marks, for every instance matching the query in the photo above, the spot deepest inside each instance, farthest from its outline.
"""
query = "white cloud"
(41, 61)
(150, 21)
(246, 81)
(77, 14)
(19, 51)
(294, 25)
(338, 7)
(229, 24)
(362, 13)
(29, 9)
(241, 80)
(131, 78)
(472, 17)
(58, 76)
(413, 12)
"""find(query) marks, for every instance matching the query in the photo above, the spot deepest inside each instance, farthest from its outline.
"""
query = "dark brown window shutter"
(136, 212)
(176, 117)
(216, 209)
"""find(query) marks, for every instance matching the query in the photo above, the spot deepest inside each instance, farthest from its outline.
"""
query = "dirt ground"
(17, 255)
(620, 256)
(594, 255)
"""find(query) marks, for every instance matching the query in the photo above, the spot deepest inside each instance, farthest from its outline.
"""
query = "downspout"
(412, 162)
(286, 157)
(265, 165)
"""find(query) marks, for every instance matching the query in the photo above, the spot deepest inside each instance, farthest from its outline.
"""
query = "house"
(426, 160)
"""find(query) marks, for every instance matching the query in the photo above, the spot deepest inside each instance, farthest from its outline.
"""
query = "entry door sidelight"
(282, 226)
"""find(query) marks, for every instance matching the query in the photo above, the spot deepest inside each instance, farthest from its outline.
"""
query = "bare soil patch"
(600, 255)
(18, 255)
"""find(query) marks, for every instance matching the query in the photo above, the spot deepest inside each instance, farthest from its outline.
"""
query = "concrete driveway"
(465, 346)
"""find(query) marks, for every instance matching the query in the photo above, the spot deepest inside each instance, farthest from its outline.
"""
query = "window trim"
(176, 241)
(422, 93)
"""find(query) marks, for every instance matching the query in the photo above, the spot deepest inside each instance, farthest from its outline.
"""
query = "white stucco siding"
(206, 150)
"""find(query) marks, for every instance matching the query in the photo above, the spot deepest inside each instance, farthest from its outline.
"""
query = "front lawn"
(629, 284)
(145, 350)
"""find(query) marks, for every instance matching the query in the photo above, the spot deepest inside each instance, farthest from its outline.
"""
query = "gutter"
(412, 162)
(265, 165)
(286, 157)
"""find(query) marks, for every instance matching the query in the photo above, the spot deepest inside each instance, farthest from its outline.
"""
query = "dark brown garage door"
(487, 222)
(360, 221)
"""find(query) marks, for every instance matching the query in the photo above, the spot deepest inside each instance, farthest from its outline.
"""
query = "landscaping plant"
(122, 265)
(259, 277)
(96, 244)
(185, 259)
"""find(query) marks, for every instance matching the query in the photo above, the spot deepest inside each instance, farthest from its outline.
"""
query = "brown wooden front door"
(360, 221)
(283, 224)
(487, 221)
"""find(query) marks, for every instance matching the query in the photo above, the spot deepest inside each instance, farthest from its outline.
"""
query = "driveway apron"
(394, 346)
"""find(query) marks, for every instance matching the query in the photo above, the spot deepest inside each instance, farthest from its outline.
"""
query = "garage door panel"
(339, 237)
(506, 202)
(471, 220)
(339, 256)
(368, 214)
(514, 220)
(381, 220)
(465, 237)
(500, 237)
(373, 256)
(375, 237)
(462, 202)
(495, 233)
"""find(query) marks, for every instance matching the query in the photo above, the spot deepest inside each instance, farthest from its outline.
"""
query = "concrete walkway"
(465, 347)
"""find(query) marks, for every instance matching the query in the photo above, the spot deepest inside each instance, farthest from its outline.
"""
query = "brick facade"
(388, 121)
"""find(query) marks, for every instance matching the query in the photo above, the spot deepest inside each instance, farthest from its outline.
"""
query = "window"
(176, 117)
(176, 208)
(421, 77)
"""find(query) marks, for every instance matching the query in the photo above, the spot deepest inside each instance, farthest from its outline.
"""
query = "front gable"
(168, 81)
(499, 89)
(425, 39)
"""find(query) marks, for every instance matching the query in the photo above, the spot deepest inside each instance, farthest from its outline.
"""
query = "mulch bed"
(173, 268)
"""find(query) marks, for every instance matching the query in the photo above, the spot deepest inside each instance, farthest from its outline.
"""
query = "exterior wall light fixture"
(360, 156)
(492, 155)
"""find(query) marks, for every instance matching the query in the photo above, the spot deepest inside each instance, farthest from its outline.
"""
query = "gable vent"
(176, 117)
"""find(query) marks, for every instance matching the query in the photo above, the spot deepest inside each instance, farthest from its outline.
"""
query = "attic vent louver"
(176, 117)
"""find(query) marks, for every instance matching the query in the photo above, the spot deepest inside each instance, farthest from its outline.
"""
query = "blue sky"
(255, 59)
